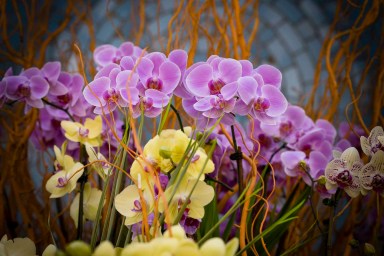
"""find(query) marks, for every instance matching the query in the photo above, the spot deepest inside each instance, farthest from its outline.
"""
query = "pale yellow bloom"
(129, 204)
(89, 132)
(63, 161)
(165, 151)
(200, 197)
(179, 245)
(105, 248)
(103, 167)
(142, 173)
(50, 250)
(64, 181)
(92, 197)
(17, 247)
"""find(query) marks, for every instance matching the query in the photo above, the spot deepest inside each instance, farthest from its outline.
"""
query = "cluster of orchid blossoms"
(217, 88)
(348, 172)
(172, 242)
(168, 178)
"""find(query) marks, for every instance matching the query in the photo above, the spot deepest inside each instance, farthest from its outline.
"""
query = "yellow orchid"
(202, 195)
(216, 246)
(129, 204)
(166, 150)
(104, 248)
(17, 246)
(64, 181)
(63, 161)
(89, 132)
(92, 197)
(179, 245)
(102, 168)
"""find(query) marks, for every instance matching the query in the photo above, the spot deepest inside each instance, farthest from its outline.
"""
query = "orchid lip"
(215, 86)
(83, 132)
(344, 179)
(378, 183)
(262, 104)
(24, 90)
(62, 182)
(137, 206)
(154, 83)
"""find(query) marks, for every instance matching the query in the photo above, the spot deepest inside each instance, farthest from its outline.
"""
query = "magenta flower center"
(83, 132)
(111, 95)
(154, 83)
(137, 206)
(344, 179)
(64, 99)
(24, 90)
(264, 140)
(286, 128)
(146, 103)
(62, 182)
(215, 86)
(218, 102)
(181, 202)
(378, 183)
(262, 104)
(116, 60)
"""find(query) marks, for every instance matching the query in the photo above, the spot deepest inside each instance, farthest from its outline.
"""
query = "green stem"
(238, 161)
(83, 180)
(332, 222)
(178, 118)
(219, 182)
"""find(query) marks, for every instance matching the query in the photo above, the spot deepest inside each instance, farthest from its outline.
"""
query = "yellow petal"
(50, 250)
(214, 246)
(105, 248)
(94, 126)
(138, 249)
(177, 232)
(71, 130)
(74, 209)
(231, 247)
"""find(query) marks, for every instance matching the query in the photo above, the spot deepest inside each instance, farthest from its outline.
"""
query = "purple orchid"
(73, 100)
(47, 132)
(107, 54)
(297, 164)
(351, 133)
(205, 81)
(289, 126)
(263, 102)
(329, 131)
(314, 140)
(51, 72)
(156, 72)
(29, 89)
(151, 104)
(180, 58)
(269, 75)
(118, 89)
(344, 172)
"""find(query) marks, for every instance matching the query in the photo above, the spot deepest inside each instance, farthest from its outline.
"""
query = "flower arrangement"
(207, 185)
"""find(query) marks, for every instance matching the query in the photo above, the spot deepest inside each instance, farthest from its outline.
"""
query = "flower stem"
(178, 118)
(332, 222)
(238, 157)
(82, 180)
(62, 109)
